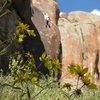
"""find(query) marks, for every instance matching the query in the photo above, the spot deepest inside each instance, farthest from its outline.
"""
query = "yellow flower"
(22, 26)
(21, 37)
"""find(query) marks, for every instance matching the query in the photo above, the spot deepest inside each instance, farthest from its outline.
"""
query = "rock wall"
(48, 6)
(80, 42)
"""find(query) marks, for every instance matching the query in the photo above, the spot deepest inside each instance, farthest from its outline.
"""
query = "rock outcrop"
(80, 42)
(48, 6)
(49, 34)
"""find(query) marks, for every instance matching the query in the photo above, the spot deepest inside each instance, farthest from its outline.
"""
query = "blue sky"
(76, 5)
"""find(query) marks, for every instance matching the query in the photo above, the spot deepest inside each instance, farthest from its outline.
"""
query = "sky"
(77, 5)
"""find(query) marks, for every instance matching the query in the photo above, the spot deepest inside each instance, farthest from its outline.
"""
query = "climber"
(47, 18)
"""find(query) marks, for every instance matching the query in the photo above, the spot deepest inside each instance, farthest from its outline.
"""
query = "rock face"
(80, 33)
(79, 16)
(49, 34)
(48, 6)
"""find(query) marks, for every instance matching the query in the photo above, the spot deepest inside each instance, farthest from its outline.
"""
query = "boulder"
(80, 42)
(49, 34)
(71, 46)
(84, 17)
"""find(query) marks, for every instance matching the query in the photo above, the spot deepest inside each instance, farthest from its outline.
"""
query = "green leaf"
(34, 80)
(26, 76)
(48, 64)
(86, 80)
(84, 71)
(40, 58)
(75, 69)
(78, 68)
(31, 33)
(92, 86)
(18, 84)
(68, 86)
(72, 69)
(35, 73)
(21, 37)
(44, 57)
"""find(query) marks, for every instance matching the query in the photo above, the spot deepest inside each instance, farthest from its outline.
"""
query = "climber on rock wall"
(47, 18)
